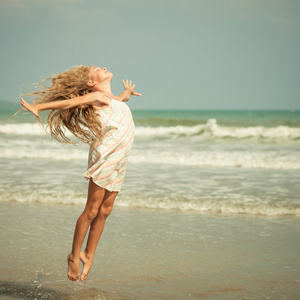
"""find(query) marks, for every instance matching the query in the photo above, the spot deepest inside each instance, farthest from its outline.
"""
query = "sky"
(181, 54)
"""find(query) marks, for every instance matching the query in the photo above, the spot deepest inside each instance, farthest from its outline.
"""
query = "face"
(99, 74)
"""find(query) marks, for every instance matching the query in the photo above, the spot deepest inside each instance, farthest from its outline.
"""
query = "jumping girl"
(81, 100)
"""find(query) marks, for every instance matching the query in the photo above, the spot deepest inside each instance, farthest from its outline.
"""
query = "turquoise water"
(227, 118)
(268, 118)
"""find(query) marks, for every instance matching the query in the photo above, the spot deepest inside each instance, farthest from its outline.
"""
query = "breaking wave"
(229, 204)
(211, 129)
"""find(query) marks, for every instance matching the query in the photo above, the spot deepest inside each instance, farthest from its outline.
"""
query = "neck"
(104, 87)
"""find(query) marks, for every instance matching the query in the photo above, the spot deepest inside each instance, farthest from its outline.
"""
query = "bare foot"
(29, 107)
(87, 264)
(73, 268)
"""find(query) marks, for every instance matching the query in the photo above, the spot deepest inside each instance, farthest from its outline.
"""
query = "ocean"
(209, 209)
(207, 161)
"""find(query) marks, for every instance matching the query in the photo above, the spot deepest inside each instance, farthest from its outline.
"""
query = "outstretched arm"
(90, 98)
(129, 90)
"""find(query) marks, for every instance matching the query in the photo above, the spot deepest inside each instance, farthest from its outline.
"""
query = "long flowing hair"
(81, 120)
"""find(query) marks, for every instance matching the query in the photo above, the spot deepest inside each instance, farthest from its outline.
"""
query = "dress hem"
(87, 177)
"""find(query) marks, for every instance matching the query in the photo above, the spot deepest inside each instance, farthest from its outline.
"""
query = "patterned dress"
(108, 158)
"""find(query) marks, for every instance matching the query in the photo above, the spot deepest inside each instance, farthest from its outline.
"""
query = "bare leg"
(96, 230)
(94, 200)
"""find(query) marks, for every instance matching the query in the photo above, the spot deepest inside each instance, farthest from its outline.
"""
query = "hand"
(129, 87)
(30, 108)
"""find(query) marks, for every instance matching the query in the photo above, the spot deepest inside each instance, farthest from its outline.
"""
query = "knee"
(105, 211)
(91, 214)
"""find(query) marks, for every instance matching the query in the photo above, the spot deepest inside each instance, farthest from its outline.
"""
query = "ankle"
(87, 254)
(72, 257)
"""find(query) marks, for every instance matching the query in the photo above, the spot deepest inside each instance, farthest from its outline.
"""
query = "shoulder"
(99, 100)
(100, 97)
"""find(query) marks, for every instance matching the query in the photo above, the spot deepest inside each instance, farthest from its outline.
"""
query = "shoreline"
(118, 206)
(150, 254)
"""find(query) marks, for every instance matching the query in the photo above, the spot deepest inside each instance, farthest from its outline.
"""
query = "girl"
(81, 100)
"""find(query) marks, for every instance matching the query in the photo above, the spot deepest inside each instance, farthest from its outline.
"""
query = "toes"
(73, 279)
(83, 277)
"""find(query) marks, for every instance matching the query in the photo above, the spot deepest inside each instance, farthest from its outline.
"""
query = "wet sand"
(150, 254)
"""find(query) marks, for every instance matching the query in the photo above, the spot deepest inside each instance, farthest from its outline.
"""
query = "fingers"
(29, 108)
(24, 103)
(128, 85)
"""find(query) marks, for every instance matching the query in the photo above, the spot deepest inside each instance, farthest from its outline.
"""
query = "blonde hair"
(80, 120)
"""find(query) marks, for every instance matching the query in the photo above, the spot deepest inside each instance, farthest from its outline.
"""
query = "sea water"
(208, 161)
(209, 209)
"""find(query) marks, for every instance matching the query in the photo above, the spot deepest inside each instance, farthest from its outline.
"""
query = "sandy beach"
(150, 254)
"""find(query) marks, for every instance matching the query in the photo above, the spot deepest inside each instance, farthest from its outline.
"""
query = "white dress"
(108, 158)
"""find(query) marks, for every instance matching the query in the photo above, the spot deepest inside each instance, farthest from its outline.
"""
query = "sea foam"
(240, 204)
(227, 157)
(22, 129)
(211, 129)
